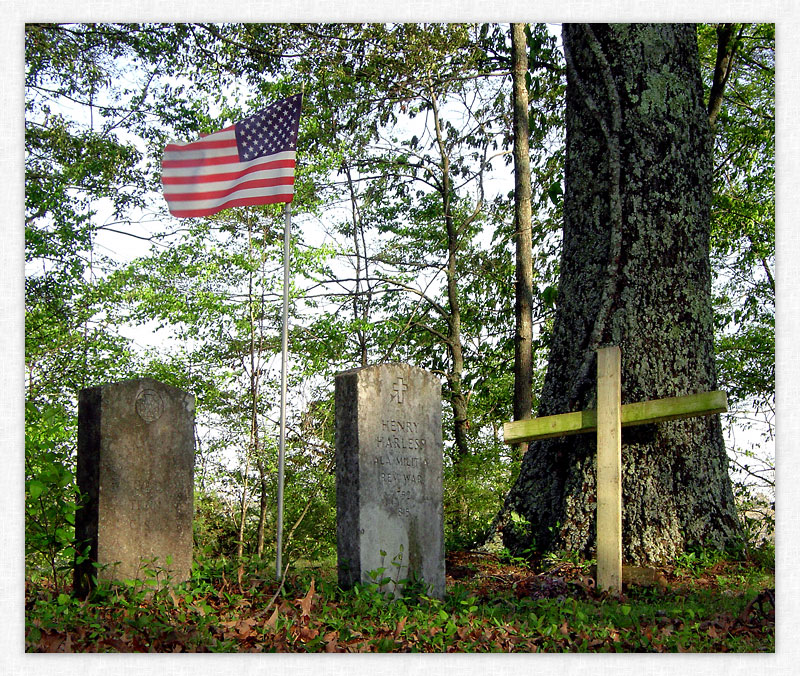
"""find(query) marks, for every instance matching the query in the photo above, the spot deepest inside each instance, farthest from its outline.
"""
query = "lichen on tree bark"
(635, 272)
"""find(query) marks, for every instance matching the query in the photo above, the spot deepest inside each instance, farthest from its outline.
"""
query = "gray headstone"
(389, 476)
(136, 471)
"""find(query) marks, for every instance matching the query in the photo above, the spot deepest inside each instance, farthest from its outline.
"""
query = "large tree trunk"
(635, 272)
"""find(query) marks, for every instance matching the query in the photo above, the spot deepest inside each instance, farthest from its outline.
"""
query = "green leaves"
(549, 295)
(555, 192)
(50, 493)
(489, 610)
(34, 489)
(743, 231)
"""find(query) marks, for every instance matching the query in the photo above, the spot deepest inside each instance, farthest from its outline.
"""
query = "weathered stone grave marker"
(136, 470)
(608, 420)
(389, 475)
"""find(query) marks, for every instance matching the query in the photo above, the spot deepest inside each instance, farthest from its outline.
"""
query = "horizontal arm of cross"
(640, 413)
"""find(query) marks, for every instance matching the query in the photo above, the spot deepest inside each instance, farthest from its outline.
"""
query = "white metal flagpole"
(284, 361)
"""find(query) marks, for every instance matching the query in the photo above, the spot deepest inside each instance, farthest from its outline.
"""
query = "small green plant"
(697, 560)
(520, 526)
(763, 556)
(520, 530)
(414, 589)
(379, 578)
(50, 493)
(566, 557)
(505, 556)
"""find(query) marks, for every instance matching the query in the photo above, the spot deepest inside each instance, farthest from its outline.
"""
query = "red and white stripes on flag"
(250, 162)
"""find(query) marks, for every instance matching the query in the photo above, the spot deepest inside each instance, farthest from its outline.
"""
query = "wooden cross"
(608, 420)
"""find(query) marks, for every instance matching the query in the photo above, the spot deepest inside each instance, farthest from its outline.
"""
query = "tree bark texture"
(635, 272)
(523, 305)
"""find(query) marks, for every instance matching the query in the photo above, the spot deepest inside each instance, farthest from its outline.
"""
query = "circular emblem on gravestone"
(149, 405)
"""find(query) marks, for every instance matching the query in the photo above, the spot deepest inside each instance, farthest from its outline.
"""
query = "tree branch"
(726, 50)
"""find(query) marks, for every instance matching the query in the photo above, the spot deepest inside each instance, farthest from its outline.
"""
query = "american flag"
(250, 162)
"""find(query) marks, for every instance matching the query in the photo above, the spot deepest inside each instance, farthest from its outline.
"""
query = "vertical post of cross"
(609, 470)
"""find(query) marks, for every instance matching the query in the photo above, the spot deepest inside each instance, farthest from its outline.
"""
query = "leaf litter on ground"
(491, 606)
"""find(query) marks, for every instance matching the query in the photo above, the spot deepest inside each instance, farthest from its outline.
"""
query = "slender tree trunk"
(256, 345)
(523, 312)
(242, 513)
(256, 351)
(458, 400)
(362, 297)
(635, 272)
(263, 508)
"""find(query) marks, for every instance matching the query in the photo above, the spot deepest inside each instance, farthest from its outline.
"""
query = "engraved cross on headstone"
(399, 389)
(608, 419)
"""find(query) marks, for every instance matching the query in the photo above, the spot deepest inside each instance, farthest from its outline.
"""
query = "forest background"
(254, 459)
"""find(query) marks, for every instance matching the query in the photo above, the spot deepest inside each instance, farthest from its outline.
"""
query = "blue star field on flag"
(269, 131)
